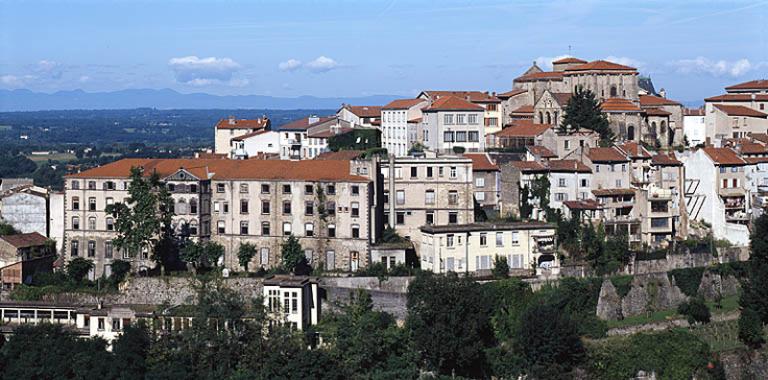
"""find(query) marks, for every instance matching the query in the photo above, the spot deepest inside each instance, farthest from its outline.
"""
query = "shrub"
(500, 267)
(623, 284)
(695, 310)
(687, 279)
(751, 329)
(459, 149)
(120, 269)
(78, 268)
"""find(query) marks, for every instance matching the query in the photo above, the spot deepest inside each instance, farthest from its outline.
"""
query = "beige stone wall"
(601, 83)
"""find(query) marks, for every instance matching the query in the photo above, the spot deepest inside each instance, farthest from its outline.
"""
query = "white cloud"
(14, 81)
(626, 61)
(84, 78)
(546, 62)
(321, 64)
(290, 65)
(701, 65)
(49, 69)
(203, 71)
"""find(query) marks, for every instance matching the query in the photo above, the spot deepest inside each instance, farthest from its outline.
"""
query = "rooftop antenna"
(569, 50)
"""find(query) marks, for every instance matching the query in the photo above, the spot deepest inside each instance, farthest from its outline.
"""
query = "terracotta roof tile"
(343, 155)
(569, 60)
(606, 155)
(523, 130)
(452, 103)
(752, 148)
(326, 133)
(568, 166)
(756, 160)
(232, 123)
(32, 239)
(740, 111)
(762, 137)
(303, 124)
(562, 97)
(612, 192)
(586, 204)
(482, 162)
(665, 160)
(759, 84)
(472, 96)
(652, 100)
(402, 104)
(365, 111)
(723, 156)
(656, 112)
(512, 93)
(601, 66)
(526, 109)
(737, 98)
(249, 135)
(528, 166)
(634, 150)
(619, 105)
(544, 75)
(541, 151)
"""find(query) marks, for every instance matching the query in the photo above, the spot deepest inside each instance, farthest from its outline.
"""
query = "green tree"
(245, 254)
(448, 318)
(583, 112)
(695, 310)
(751, 329)
(549, 342)
(292, 254)
(754, 295)
(7, 229)
(131, 349)
(500, 267)
(78, 268)
(145, 218)
(202, 254)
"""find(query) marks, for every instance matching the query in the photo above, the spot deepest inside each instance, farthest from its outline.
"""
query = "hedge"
(687, 279)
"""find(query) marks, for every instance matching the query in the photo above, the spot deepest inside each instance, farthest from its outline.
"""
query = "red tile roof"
(738, 98)
(612, 192)
(586, 204)
(544, 75)
(619, 105)
(482, 162)
(211, 155)
(656, 112)
(32, 239)
(452, 103)
(541, 151)
(472, 96)
(308, 170)
(562, 97)
(512, 93)
(568, 166)
(759, 84)
(343, 155)
(651, 100)
(523, 130)
(665, 160)
(762, 137)
(365, 111)
(606, 155)
(756, 160)
(232, 123)
(723, 156)
(601, 66)
(328, 132)
(752, 148)
(635, 150)
(569, 60)
(401, 104)
(248, 135)
(740, 111)
(527, 109)
(303, 124)
(529, 166)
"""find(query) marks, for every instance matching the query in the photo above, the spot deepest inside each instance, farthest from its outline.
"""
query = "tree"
(292, 254)
(754, 295)
(751, 329)
(500, 267)
(145, 218)
(120, 269)
(78, 268)
(583, 112)
(202, 254)
(245, 254)
(695, 310)
(7, 229)
(131, 349)
(549, 341)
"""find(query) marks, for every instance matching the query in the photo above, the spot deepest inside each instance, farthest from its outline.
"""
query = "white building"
(694, 127)
(292, 300)
(450, 122)
(366, 116)
(229, 128)
(400, 121)
(255, 143)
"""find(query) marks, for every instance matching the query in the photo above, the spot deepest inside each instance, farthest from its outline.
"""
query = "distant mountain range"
(26, 100)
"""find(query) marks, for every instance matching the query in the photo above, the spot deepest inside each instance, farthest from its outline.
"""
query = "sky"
(356, 48)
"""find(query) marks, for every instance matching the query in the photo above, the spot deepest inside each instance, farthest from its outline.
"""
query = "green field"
(54, 157)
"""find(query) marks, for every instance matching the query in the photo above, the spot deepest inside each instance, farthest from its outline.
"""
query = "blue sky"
(355, 48)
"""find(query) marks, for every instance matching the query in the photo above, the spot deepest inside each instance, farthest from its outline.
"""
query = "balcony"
(544, 244)
(661, 194)
(731, 192)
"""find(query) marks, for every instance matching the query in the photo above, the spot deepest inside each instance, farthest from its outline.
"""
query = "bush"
(658, 254)
(623, 284)
(78, 268)
(751, 329)
(687, 279)
(459, 149)
(500, 267)
(695, 310)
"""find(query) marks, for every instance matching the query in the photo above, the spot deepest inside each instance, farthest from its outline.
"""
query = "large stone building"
(742, 110)
(451, 122)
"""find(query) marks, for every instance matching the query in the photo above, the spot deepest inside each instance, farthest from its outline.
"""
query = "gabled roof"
(656, 112)
(27, 240)
(402, 104)
(653, 101)
(634, 150)
(723, 156)
(619, 105)
(762, 137)
(523, 130)
(249, 135)
(600, 65)
(529, 166)
(752, 148)
(509, 94)
(304, 123)
(758, 84)
(526, 109)
(738, 98)
(364, 111)
(740, 111)
(568, 166)
(541, 151)
(569, 60)
(612, 192)
(343, 155)
(452, 103)
(586, 204)
(544, 75)
(329, 132)
(611, 154)
(472, 96)
(665, 160)
(482, 162)
(232, 123)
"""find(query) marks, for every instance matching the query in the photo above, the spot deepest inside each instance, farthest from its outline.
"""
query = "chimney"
(312, 119)
(231, 120)
(663, 93)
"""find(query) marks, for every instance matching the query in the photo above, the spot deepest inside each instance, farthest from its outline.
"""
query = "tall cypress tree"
(583, 112)
(754, 296)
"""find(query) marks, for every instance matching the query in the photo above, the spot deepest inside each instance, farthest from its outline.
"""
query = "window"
(219, 187)
(659, 222)
(355, 189)
(91, 185)
(429, 172)
(193, 206)
(499, 239)
(597, 168)
(448, 136)
(722, 169)
(244, 228)
(171, 187)
(460, 118)
(100, 324)
(479, 181)
(243, 188)
(75, 185)
(286, 228)
(243, 206)
(331, 230)
(429, 197)
(355, 231)
(286, 189)
(461, 136)
(308, 189)
(265, 228)
(264, 256)
(414, 172)
(453, 197)
(473, 136)
(400, 197)
(220, 227)
(309, 208)
(110, 224)
(330, 208)
(75, 223)
(265, 207)
(91, 248)
(309, 229)
(286, 207)
(618, 183)
(265, 189)
(453, 217)
(331, 189)
(108, 249)
(624, 168)
(472, 119)
(561, 182)
(193, 228)
(400, 218)
(74, 247)
(449, 240)
(430, 218)
(75, 203)
(91, 204)
(355, 209)
(92, 223)
(453, 172)
(330, 260)
(561, 197)
(515, 238)
(193, 188)
(483, 239)
(734, 169)
(584, 183)
(448, 119)
(480, 196)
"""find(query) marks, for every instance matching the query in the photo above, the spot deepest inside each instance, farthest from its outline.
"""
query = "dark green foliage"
(569, 236)
(130, 350)
(368, 138)
(78, 268)
(583, 112)
(120, 269)
(687, 279)
(549, 342)
(7, 229)
(695, 310)
(500, 267)
(738, 269)
(245, 254)
(292, 254)
(15, 165)
(751, 329)
(754, 294)
(672, 354)
(448, 322)
(645, 255)
(526, 208)
(578, 298)
(459, 149)
(202, 254)
(509, 297)
(390, 235)
(623, 284)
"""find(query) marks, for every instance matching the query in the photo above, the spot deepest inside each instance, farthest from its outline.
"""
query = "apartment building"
(400, 125)
(294, 140)
(326, 204)
(365, 116)
(491, 104)
(568, 180)
(420, 191)
(473, 247)
(451, 122)
(737, 113)
(229, 128)
(611, 168)
(486, 175)
(694, 126)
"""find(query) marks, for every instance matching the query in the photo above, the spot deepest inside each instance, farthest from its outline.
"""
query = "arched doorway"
(549, 118)
(614, 92)
(631, 132)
